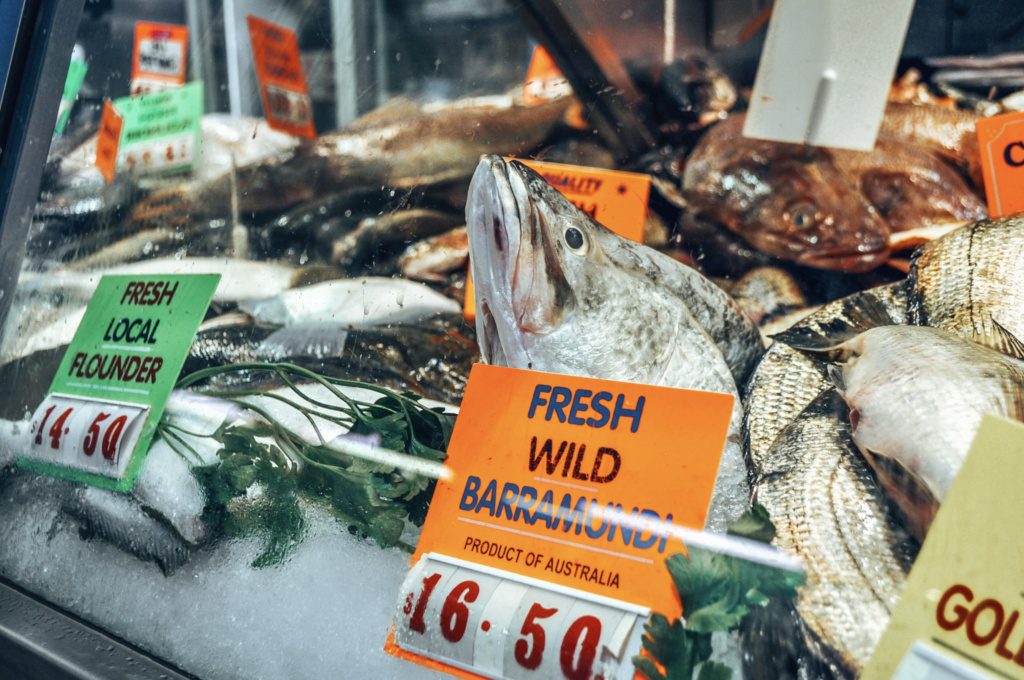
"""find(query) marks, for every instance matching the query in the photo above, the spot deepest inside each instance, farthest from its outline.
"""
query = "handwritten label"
(1001, 145)
(159, 57)
(962, 606)
(108, 395)
(616, 199)
(573, 482)
(161, 130)
(108, 141)
(286, 102)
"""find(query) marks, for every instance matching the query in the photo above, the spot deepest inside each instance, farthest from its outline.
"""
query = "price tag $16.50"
(502, 625)
(85, 434)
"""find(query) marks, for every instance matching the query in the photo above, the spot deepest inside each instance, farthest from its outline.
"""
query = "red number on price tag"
(58, 428)
(585, 630)
(455, 614)
(530, 656)
(113, 436)
(89, 445)
(416, 623)
(40, 430)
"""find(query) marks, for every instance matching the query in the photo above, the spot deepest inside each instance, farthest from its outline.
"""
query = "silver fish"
(917, 396)
(558, 292)
(121, 521)
(829, 511)
(970, 276)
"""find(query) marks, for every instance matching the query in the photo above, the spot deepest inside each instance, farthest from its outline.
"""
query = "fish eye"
(574, 239)
(803, 215)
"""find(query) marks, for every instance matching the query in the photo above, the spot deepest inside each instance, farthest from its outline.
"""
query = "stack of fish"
(859, 417)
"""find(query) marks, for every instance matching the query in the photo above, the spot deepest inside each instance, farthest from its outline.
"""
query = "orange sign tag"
(286, 102)
(544, 81)
(159, 58)
(556, 520)
(1001, 145)
(616, 199)
(108, 141)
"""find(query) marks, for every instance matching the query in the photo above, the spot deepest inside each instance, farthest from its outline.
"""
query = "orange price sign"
(1001, 145)
(555, 522)
(616, 199)
(108, 141)
(159, 57)
(286, 102)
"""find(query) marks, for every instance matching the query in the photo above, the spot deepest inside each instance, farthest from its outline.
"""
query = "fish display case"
(330, 212)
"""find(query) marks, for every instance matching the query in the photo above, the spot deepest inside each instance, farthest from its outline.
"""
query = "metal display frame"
(41, 54)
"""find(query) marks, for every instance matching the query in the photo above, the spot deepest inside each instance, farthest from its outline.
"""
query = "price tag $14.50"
(85, 434)
(502, 625)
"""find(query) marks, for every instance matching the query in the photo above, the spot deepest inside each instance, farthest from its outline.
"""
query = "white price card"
(91, 435)
(825, 71)
(924, 662)
(504, 625)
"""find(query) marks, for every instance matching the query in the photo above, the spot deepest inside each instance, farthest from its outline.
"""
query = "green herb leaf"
(755, 525)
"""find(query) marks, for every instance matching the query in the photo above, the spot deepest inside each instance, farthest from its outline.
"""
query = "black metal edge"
(38, 640)
(15, 14)
(50, 39)
(614, 107)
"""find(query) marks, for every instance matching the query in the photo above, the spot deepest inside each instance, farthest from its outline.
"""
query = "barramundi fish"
(558, 292)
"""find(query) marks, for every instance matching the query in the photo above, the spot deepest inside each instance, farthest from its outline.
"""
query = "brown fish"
(910, 186)
(787, 200)
(944, 131)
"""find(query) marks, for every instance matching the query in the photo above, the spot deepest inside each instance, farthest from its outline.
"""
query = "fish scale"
(964, 280)
(843, 535)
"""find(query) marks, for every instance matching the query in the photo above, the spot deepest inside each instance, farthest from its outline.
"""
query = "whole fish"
(379, 235)
(971, 276)
(830, 512)
(362, 302)
(122, 522)
(917, 396)
(950, 133)
(432, 259)
(557, 292)
(788, 200)
(401, 147)
(910, 186)
(240, 279)
(431, 358)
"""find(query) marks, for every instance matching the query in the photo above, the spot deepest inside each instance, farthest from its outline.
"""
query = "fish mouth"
(520, 284)
(846, 260)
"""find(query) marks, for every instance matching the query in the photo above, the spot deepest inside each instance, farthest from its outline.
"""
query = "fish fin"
(315, 340)
(996, 336)
(824, 330)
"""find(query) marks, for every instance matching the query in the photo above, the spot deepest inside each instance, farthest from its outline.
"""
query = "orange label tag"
(1001, 145)
(569, 484)
(286, 102)
(562, 468)
(544, 81)
(108, 141)
(616, 199)
(159, 58)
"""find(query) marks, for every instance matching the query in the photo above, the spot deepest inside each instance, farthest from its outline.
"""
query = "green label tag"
(161, 130)
(72, 84)
(98, 419)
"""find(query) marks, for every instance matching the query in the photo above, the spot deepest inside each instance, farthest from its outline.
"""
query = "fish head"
(788, 201)
(550, 296)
